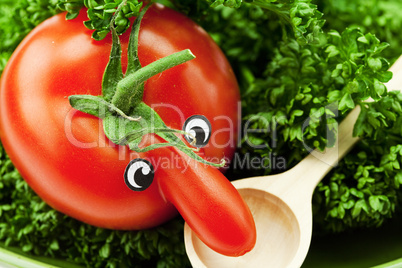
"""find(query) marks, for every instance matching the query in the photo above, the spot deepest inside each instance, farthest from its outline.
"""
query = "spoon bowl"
(281, 205)
(281, 236)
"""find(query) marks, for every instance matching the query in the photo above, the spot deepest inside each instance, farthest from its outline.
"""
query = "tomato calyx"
(126, 118)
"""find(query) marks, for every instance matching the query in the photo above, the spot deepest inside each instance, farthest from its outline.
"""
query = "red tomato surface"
(64, 155)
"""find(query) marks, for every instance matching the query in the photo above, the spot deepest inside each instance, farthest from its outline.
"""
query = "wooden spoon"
(281, 205)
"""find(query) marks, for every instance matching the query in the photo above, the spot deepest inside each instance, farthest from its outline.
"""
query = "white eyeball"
(139, 174)
(199, 127)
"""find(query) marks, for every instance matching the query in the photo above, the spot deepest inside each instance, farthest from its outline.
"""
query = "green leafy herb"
(380, 17)
(101, 14)
(228, 3)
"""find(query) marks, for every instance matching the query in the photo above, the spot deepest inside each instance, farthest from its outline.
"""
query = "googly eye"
(139, 174)
(199, 127)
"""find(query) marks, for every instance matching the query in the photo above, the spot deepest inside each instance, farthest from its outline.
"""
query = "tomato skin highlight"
(64, 155)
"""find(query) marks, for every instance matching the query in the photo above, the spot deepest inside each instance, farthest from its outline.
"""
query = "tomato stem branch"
(125, 116)
(130, 90)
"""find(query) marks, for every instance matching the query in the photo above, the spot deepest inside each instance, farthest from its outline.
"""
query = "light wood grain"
(281, 205)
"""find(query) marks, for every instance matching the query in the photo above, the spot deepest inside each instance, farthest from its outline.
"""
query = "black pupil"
(199, 135)
(143, 180)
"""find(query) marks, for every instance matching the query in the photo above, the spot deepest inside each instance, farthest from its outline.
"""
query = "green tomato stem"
(130, 90)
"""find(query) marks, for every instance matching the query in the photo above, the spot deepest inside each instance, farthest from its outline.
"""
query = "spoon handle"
(317, 164)
(396, 81)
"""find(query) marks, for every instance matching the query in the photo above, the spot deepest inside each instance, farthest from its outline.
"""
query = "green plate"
(380, 247)
(15, 258)
(377, 248)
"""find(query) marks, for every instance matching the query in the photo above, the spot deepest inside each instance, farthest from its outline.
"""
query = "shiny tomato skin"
(64, 155)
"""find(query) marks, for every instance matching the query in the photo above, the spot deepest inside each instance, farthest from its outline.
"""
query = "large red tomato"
(64, 155)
